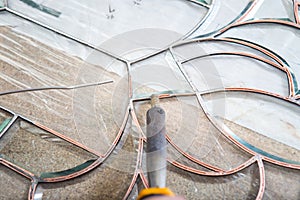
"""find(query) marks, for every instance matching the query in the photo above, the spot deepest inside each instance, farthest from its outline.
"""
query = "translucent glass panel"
(87, 70)
(215, 19)
(65, 92)
(203, 187)
(41, 152)
(157, 74)
(276, 122)
(266, 34)
(109, 19)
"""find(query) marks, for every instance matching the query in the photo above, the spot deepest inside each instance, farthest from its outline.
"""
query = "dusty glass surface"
(76, 80)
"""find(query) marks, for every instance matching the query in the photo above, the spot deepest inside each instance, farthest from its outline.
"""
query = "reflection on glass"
(42, 152)
(13, 185)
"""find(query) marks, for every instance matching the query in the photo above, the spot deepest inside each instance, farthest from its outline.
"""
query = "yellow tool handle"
(147, 192)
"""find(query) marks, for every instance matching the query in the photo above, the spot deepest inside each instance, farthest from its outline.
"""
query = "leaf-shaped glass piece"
(267, 35)
(40, 151)
(85, 20)
(108, 181)
(234, 70)
(266, 124)
(193, 186)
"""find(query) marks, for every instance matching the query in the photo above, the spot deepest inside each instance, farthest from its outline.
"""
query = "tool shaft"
(156, 147)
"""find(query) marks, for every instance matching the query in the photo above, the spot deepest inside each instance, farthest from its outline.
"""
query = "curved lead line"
(228, 134)
(32, 194)
(252, 160)
(6, 8)
(17, 169)
(95, 164)
(262, 178)
(221, 173)
(264, 50)
(289, 76)
(252, 6)
(251, 45)
(173, 43)
(275, 21)
(244, 12)
(138, 169)
(193, 159)
(56, 88)
(240, 89)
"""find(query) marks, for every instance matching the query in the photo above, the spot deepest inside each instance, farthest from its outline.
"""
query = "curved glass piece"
(235, 70)
(193, 186)
(40, 152)
(215, 20)
(108, 19)
(108, 181)
(263, 121)
(286, 48)
(191, 132)
(157, 74)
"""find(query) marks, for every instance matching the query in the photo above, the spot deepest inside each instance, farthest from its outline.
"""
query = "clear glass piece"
(42, 152)
(264, 122)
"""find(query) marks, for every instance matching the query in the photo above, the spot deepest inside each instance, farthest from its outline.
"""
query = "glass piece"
(174, 155)
(267, 35)
(189, 129)
(241, 185)
(281, 182)
(42, 152)
(262, 121)
(84, 20)
(108, 181)
(205, 47)
(13, 185)
(222, 71)
(270, 9)
(2, 3)
(90, 115)
(158, 74)
(221, 14)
